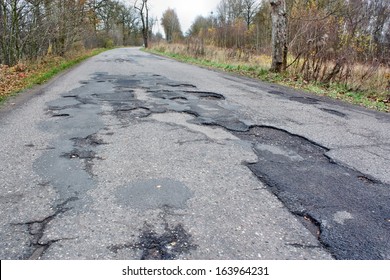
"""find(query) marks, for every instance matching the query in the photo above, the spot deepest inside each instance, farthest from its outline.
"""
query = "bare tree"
(250, 9)
(229, 10)
(279, 35)
(143, 9)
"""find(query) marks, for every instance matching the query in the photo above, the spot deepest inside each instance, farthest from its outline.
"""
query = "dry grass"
(361, 84)
(215, 54)
(28, 73)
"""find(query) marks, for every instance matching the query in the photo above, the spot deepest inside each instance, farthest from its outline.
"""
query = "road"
(135, 156)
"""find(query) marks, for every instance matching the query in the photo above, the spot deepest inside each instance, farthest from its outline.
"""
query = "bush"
(109, 43)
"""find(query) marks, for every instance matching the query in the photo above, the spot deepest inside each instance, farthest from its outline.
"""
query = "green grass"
(2, 99)
(46, 76)
(251, 71)
(336, 91)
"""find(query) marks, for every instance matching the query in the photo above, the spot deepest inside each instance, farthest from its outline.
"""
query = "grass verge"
(28, 74)
(369, 99)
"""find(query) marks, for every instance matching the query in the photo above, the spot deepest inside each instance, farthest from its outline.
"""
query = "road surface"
(135, 156)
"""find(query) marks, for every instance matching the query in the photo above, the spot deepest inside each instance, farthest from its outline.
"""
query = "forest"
(326, 41)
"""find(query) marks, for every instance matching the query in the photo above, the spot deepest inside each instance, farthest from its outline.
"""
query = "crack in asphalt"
(310, 184)
(302, 246)
(294, 168)
(345, 209)
(37, 228)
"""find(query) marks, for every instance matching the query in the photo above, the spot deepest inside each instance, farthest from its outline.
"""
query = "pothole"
(134, 113)
(60, 115)
(311, 224)
(165, 246)
(366, 179)
(89, 155)
(333, 112)
(178, 98)
(206, 95)
(181, 85)
(91, 140)
(276, 92)
(305, 100)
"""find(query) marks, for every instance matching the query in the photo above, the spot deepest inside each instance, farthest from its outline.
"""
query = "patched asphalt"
(133, 156)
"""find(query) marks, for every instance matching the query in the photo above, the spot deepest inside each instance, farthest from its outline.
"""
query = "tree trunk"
(144, 13)
(279, 35)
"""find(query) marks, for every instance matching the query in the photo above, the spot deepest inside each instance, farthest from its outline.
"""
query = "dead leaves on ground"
(12, 78)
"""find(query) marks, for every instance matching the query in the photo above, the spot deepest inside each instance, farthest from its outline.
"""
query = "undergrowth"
(256, 66)
(27, 74)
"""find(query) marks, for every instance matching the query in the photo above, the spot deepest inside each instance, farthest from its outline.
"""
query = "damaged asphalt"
(133, 156)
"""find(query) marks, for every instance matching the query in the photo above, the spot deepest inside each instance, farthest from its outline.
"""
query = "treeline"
(358, 27)
(326, 38)
(34, 28)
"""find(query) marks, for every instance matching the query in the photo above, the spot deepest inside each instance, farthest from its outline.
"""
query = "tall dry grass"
(215, 54)
(358, 81)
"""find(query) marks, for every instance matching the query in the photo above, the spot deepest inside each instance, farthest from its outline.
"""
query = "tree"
(171, 24)
(250, 9)
(143, 9)
(128, 21)
(200, 24)
(279, 35)
(230, 10)
(34, 28)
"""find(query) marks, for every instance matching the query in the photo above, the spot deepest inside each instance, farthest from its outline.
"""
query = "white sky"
(187, 10)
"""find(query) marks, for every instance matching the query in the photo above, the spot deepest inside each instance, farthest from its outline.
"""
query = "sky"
(187, 10)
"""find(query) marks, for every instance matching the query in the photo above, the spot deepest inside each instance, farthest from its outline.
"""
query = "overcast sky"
(187, 10)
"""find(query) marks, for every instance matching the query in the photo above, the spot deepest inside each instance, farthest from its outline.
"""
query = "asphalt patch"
(345, 209)
(154, 194)
(340, 206)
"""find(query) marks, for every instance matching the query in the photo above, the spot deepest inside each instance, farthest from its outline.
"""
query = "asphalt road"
(135, 156)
